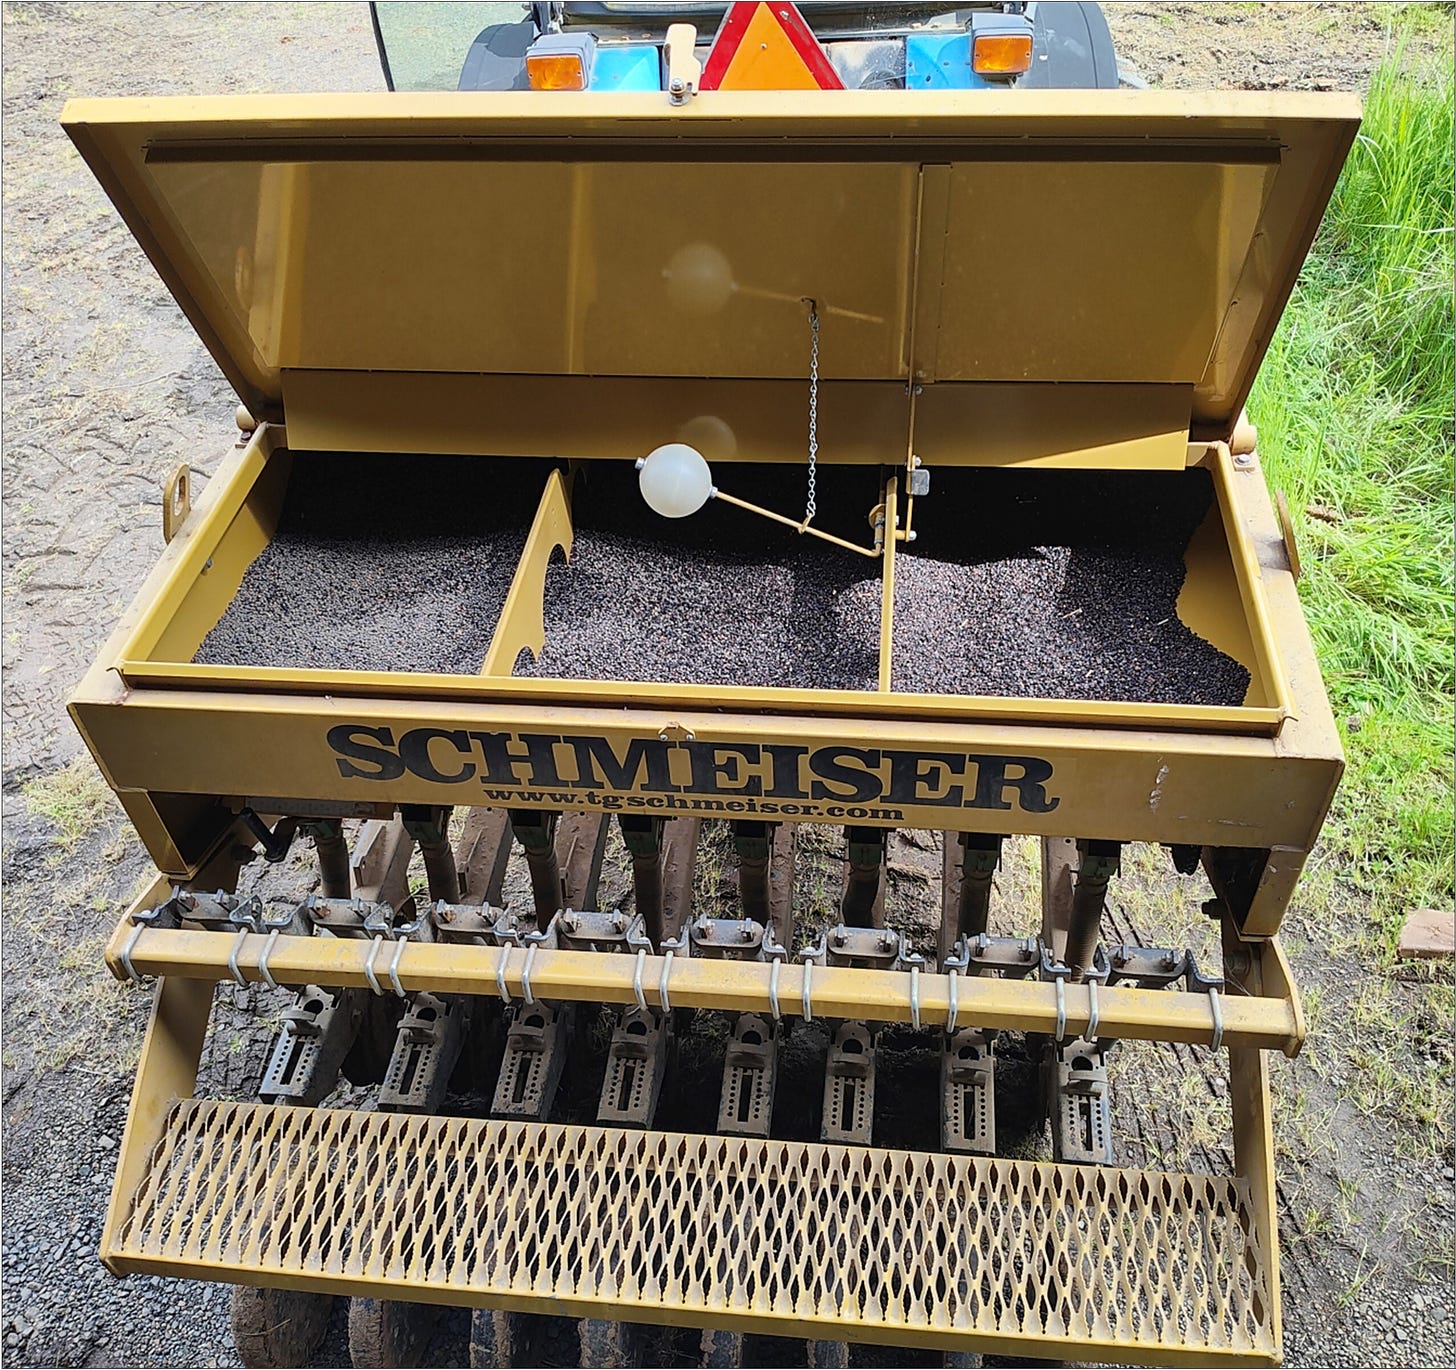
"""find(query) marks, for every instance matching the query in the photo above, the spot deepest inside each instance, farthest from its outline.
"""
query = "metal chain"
(812, 504)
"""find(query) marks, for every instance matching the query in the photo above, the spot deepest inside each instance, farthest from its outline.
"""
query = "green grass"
(1355, 413)
(73, 800)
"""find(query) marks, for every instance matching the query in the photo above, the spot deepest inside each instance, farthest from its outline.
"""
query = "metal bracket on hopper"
(317, 1032)
(750, 1073)
(380, 920)
(872, 948)
(534, 1057)
(220, 912)
(585, 930)
(728, 939)
(347, 917)
(636, 1062)
(849, 1086)
(427, 1048)
(1078, 1102)
(968, 1091)
(469, 923)
(1012, 958)
(1161, 967)
(1146, 967)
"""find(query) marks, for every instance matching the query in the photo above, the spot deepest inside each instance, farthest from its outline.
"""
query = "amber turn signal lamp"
(999, 54)
(555, 71)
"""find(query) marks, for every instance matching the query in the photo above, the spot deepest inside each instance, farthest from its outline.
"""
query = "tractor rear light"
(558, 61)
(1001, 54)
(556, 71)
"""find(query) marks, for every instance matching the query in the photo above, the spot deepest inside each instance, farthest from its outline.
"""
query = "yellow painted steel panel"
(193, 583)
(1120, 271)
(1126, 786)
(521, 626)
(764, 1236)
(262, 214)
(734, 986)
(1103, 427)
(639, 269)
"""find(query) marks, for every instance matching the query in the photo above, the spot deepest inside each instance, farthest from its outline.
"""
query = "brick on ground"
(1428, 934)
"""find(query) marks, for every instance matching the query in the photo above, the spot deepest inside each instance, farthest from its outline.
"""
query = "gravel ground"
(353, 582)
(106, 388)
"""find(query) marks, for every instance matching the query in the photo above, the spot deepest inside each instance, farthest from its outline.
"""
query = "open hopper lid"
(1114, 237)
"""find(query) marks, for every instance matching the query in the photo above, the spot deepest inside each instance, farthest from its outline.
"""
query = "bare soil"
(106, 388)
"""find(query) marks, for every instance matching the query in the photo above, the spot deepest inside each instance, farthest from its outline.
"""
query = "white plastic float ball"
(675, 480)
(699, 279)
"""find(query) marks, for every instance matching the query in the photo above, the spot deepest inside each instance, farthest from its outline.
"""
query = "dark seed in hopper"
(722, 597)
(382, 563)
(1060, 585)
(1056, 585)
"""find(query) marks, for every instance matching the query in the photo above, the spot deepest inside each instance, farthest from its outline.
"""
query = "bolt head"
(840, 939)
(445, 913)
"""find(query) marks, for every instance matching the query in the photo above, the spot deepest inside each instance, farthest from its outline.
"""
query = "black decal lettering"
(784, 771)
(992, 782)
(498, 751)
(541, 751)
(500, 760)
(414, 751)
(917, 778)
(596, 757)
(719, 767)
(853, 782)
(386, 763)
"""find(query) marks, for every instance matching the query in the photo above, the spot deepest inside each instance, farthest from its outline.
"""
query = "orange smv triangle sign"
(767, 47)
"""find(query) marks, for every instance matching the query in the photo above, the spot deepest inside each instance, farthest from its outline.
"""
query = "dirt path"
(106, 388)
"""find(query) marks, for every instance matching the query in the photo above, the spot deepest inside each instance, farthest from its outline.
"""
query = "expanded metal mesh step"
(768, 1236)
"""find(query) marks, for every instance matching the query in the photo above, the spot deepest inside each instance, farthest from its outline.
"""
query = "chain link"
(812, 504)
